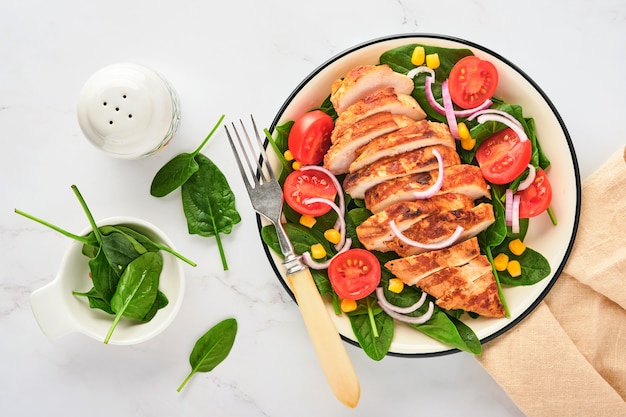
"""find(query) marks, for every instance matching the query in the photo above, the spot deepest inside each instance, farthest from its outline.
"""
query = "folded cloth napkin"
(568, 357)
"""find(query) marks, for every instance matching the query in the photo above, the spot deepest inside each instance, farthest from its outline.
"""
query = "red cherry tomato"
(300, 185)
(309, 137)
(354, 274)
(536, 198)
(472, 81)
(503, 157)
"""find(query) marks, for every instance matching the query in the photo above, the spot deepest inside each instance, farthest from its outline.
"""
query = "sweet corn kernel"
(318, 251)
(463, 131)
(296, 165)
(396, 285)
(418, 56)
(501, 261)
(514, 268)
(517, 247)
(432, 61)
(468, 144)
(333, 236)
(307, 221)
(288, 155)
(347, 305)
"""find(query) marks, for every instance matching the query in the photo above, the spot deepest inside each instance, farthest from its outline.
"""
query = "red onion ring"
(439, 108)
(529, 179)
(402, 310)
(384, 304)
(515, 218)
(498, 112)
(433, 189)
(418, 70)
(308, 260)
(447, 105)
(431, 246)
(515, 126)
(508, 212)
(342, 204)
(340, 217)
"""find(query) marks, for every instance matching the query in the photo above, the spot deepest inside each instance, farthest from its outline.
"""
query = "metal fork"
(266, 197)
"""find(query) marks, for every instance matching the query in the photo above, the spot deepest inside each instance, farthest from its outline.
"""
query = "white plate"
(515, 87)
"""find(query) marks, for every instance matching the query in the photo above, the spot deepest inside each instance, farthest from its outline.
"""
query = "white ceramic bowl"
(58, 312)
(514, 87)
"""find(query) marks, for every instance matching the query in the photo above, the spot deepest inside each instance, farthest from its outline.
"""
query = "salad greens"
(211, 348)
(208, 201)
(125, 266)
(373, 328)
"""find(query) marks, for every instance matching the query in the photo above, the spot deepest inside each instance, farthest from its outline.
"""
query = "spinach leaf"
(137, 289)
(375, 342)
(95, 300)
(209, 203)
(212, 348)
(301, 237)
(441, 327)
(535, 267)
(179, 169)
(151, 245)
(160, 302)
(103, 277)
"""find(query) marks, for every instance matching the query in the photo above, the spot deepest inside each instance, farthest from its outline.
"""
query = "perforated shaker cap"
(128, 110)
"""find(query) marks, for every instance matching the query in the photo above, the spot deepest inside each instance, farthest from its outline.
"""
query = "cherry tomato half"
(354, 274)
(472, 81)
(503, 157)
(300, 185)
(309, 137)
(535, 199)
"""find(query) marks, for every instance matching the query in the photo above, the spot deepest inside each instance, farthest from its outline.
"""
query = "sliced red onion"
(308, 260)
(447, 105)
(433, 189)
(529, 179)
(342, 204)
(340, 217)
(498, 112)
(431, 246)
(401, 317)
(402, 310)
(508, 211)
(420, 69)
(514, 125)
(515, 218)
(439, 108)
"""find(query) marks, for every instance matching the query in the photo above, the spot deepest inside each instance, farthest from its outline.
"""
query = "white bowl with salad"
(537, 200)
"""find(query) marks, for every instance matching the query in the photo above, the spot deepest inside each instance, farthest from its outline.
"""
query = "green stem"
(113, 326)
(64, 232)
(185, 381)
(552, 215)
(278, 152)
(221, 249)
(370, 313)
(197, 151)
(176, 254)
(495, 274)
(92, 222)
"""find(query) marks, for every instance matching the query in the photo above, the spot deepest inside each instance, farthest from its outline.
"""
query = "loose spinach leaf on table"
(212, 348)
(209, 203)
(137, 289)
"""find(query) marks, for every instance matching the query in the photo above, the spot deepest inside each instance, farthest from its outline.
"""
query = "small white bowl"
(58, 312)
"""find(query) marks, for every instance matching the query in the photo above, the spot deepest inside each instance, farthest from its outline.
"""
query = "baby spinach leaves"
(212, 348)
(124, 265)
(208, 201)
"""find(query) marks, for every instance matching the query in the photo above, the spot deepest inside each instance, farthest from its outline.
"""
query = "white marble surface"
(237, 58)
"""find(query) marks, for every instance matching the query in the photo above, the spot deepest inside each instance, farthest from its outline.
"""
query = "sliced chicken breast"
(343, 152)
(413, 268)
(375, 231)
(387, 100)
(418, 135)
(390, 167)
(462, 179)
(364, 80)
(440, 226)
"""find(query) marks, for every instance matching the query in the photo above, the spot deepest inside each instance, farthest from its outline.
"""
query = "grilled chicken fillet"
(442, 225)
(390, 167)
(462, 179)
(417, 135)
(387, 100)
(364, 80)
(343, 152)
(375, 231)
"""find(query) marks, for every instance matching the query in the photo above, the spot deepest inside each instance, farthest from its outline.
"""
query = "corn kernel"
(333, 236)
(514, 268)
(501, 261)
(463, 131)
(517, 247)
(288, 155)
(418, 56)
(396, 285)
(347, 305)
(307, 221)
(432, 61)
(468, 144)
(296, 165)
(318, 251)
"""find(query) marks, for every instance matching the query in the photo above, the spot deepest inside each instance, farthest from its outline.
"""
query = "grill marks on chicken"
(384, 145)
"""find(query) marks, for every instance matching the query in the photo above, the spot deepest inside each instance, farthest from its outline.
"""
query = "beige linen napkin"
(568, 357)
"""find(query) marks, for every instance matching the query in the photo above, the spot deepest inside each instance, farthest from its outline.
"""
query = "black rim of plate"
(559, 269)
